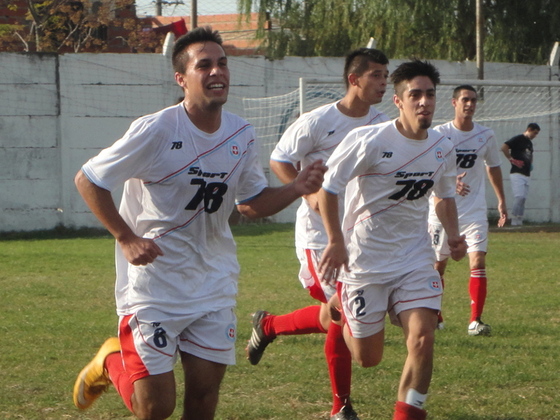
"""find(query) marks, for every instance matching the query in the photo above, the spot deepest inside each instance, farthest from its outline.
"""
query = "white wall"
(58, 111)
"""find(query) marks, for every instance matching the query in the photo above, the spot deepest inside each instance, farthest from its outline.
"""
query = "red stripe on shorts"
(133, 363)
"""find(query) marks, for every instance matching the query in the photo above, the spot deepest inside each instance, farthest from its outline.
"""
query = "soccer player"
(382, 254)
(519, 151)
(183, 168)
(314, 136)
(477, 155)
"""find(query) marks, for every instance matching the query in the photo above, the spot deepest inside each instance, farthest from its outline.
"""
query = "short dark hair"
(411, 69)
(201, 34)
(358, 61)
(533, 127)
(459, 88)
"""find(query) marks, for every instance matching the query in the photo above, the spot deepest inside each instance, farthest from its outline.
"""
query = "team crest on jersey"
(234, 150)
(439, 154)
(230, 332)
(435, 283)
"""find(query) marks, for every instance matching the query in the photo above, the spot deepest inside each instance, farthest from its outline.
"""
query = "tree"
(517, 30)
(65, 25)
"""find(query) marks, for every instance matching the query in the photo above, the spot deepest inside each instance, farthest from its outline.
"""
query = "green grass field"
(57, 307)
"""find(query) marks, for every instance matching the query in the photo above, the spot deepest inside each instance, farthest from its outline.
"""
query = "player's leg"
(206, 347)
(477, 240)
(478, 290)
(309, 320)
(339, 362)
(441, 248)
(154, 397)
(202, 386)
(418, 328)
(364, 309)
(148, 349)
(414, 304)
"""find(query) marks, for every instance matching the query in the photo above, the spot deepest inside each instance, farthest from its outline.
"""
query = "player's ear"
(397, 101)
(180, 79)
(353, 79)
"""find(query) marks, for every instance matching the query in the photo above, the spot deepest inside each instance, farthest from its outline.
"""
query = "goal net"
(505, 106)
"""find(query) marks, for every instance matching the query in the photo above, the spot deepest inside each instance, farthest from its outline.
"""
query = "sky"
(205, 7)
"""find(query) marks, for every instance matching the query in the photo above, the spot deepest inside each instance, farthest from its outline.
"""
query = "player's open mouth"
(216, 86)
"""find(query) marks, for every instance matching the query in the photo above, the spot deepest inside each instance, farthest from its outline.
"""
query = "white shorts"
(150, 339)
(309, 274)
(365, 306)
(476, 235)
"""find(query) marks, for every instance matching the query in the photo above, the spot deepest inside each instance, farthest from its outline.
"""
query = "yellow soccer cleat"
(94, 380)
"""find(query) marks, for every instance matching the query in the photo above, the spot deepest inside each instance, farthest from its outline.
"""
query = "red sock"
(404, 411)
(339, 361)
(119, 378)
(302, 321)
(478, 291)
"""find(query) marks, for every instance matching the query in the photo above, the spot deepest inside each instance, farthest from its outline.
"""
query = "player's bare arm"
(273, 199)
(446, 211)
(335, 255)
(137, 250)
(495, 178)
(516, 162)
(286, 173)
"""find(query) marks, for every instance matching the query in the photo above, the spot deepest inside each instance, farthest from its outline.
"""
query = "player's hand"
(310, 179)
(334, 257)
(457, 247)
(140, 251)
(462, 188)
(517, 162)
(503, 215)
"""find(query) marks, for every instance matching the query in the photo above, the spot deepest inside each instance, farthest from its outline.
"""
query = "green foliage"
(58, 307)
(516, 30)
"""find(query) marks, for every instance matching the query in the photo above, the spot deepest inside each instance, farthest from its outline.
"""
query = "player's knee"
(154, 410)
(369, 359)
(421, 343)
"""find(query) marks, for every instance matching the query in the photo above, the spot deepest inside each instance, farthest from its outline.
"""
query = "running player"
(382, 251)
(314, 136)
(184, 169)
(477, 155)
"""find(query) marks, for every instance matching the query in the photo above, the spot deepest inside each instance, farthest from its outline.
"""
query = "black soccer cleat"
(259, 341)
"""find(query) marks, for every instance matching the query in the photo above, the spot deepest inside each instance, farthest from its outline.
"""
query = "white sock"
(415, 399)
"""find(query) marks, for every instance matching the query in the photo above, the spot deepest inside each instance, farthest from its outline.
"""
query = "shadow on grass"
(59, 232)
(245, 228)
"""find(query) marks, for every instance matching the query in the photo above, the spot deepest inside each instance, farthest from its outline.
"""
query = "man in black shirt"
(519, 151)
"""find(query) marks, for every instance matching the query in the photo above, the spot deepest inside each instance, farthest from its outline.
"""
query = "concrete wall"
(58, 111)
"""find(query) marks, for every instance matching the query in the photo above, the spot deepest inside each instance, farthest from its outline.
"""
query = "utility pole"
(480, 39)
(194, 14)
(159, 9)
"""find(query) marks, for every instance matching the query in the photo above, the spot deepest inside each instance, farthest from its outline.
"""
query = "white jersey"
(181, 185)
(314, 136)
(475, 150)
(386, 209)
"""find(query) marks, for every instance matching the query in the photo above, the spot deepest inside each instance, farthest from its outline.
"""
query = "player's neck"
(352, 106)
(463, 124)
(207, 120)
(410, 131)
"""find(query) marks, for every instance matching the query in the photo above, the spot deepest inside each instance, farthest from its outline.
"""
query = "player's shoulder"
(483, 130)
(234, 120)
(374, 130)
(445, 128)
